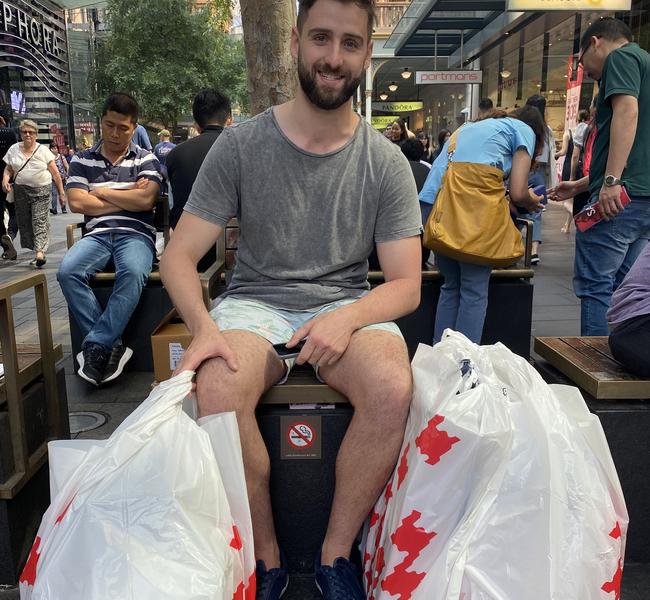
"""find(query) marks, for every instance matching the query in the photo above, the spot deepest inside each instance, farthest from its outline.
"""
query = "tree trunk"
(267, 33)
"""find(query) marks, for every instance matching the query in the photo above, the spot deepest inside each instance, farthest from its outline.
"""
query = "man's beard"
(328, 99)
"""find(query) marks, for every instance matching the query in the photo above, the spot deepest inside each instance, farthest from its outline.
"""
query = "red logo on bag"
(412, 540)
(433, 442)
(616, 532)
(28, 575)
(249, 592)
(615, 584)
(236, 539)
(403, 468)
(65, 510)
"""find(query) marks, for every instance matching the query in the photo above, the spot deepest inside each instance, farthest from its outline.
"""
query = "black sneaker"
(271, 584)
(120, 355)
(92, 363)
(340, 582)
(8, 247)
(534, 259)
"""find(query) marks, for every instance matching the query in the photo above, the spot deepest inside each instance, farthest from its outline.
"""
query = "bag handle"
(13, 179)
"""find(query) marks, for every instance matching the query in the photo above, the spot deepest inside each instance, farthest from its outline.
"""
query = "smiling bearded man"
(314, 188)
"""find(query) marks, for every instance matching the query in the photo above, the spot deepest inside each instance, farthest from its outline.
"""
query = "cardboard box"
(168, 343)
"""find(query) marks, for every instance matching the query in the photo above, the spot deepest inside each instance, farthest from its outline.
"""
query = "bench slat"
(302, 387)
(587, 362)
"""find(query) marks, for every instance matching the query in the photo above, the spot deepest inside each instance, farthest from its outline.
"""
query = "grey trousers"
(32, 213)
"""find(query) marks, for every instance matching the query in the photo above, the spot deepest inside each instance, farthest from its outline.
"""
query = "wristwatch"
(611, 181)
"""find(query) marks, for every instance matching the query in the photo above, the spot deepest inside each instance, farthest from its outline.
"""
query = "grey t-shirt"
(307, 222)
(632, 297)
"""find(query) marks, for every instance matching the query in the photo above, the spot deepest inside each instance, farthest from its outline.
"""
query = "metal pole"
(369, 78)
(462, 40)
(435, 50)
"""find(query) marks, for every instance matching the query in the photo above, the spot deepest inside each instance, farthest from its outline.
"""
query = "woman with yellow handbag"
(470, 228)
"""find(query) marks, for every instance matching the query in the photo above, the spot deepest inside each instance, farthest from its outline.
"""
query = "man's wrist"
(612, 180)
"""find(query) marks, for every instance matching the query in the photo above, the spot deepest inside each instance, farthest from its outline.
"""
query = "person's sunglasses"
(27, 132)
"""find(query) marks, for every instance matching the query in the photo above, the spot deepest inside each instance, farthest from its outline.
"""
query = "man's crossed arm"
(105, 201)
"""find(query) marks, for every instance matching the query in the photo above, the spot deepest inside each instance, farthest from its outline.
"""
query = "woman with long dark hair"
(497, 147)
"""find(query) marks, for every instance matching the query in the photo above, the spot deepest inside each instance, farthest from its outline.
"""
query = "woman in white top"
(29, 173)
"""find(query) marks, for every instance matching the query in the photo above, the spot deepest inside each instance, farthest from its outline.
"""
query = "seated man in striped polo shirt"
(114, 185)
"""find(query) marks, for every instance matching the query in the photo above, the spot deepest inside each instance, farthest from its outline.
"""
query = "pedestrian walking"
(28, 175)
(62, 167)
(621, 155)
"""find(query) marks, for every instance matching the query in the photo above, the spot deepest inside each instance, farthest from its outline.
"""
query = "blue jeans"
(463, 298)
(132, 255)
(604, 255)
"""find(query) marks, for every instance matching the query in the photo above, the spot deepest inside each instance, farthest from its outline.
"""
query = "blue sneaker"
(270, 584)
(340, 582)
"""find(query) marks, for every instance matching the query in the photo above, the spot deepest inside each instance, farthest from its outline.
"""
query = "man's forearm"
(575, 157)
(135, 200)
(87, 204)
(386, 302)
(622, 134)
(181, 279)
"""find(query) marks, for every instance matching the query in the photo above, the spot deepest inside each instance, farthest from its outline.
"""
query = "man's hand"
(208, 343)
(609, 200)
(535, 202)
(563, 191)
(141, 183)
(328, 337)
(6, 186)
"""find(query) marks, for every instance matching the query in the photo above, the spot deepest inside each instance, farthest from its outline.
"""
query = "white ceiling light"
(393, 86)
(505, 73)
(406, 74)
(383, 96)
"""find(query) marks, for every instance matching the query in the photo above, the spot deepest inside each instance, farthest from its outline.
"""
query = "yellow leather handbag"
(470, 220)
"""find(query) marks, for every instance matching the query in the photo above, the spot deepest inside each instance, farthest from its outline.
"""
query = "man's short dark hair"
(413, 150)
(123, 104)
(210, 106)
(304, 6)
(486, 104)
(609, 28)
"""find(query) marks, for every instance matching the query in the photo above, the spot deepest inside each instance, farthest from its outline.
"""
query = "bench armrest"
(210, 280)
(69, 233)
(528, 240)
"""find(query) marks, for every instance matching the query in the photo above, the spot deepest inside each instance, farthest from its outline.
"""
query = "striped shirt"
(90, 170)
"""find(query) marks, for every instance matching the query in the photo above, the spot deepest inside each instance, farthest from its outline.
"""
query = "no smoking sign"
(301, 437)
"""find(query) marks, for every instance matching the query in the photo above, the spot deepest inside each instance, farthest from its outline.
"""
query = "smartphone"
(284, 353)
(540, 190)
(590, 215)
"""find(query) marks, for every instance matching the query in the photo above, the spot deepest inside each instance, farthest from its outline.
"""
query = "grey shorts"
(277, 325)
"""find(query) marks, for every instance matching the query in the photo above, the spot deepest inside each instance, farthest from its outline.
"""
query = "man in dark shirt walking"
(211, 111)
(621, 154)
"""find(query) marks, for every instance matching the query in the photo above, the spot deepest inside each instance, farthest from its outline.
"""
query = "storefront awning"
(455, 21)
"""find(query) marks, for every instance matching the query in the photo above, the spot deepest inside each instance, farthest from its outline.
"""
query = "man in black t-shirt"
(211, 112)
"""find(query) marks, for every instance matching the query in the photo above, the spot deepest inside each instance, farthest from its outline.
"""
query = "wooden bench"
(588, 362)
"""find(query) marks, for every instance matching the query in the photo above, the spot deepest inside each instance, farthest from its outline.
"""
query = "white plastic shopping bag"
(505, 488)
(144, 514)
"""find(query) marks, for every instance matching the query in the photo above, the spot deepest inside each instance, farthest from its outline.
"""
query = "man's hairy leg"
(375, 375)
(221, 390)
